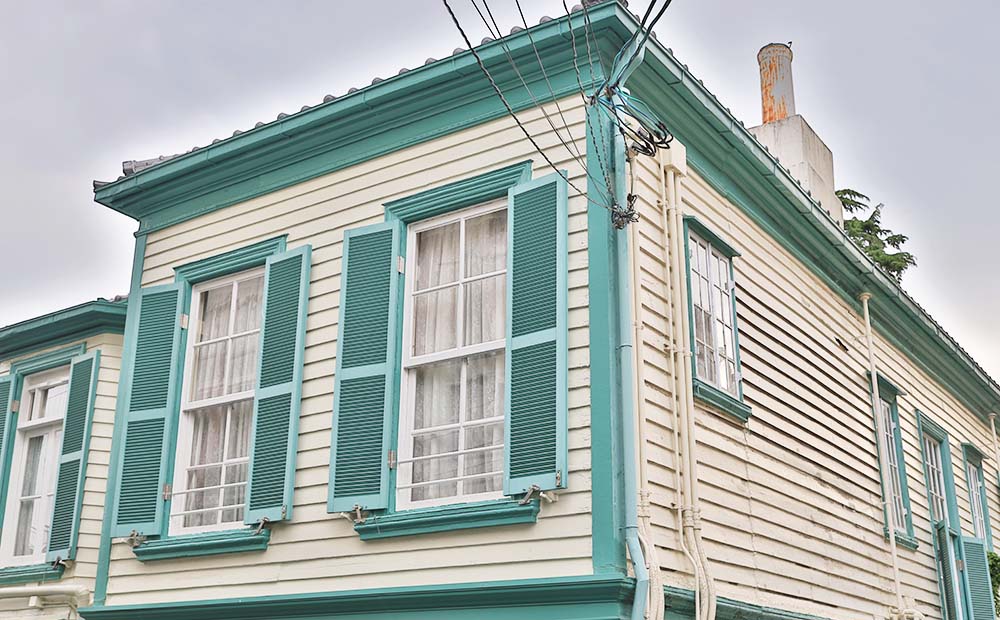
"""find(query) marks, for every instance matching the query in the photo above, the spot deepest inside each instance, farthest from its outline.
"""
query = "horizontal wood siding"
(84, 569)
(317, 551)
(791, 501)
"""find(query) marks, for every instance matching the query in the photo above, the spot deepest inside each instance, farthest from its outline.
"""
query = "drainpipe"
(78, 596)
(689, 509)
(883, 451)
(996, 450)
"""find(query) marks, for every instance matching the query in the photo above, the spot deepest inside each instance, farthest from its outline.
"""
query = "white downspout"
(996, 450)
(901, 610)
(705, 596)
(78, 596)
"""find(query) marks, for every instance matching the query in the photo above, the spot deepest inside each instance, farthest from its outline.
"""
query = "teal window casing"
(377, 496)
(904, 537)
(705, 392)
(973, 457)
(72, 467)
(137, 504)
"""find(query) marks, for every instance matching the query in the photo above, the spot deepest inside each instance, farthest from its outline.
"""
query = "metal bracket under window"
(261, 525)
(135, 539)
(358, 516)
(537, 490)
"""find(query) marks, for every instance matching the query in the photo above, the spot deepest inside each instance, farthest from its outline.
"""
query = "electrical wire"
(510, 110)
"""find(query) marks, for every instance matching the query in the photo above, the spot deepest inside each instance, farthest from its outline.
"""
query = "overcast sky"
(904, 93)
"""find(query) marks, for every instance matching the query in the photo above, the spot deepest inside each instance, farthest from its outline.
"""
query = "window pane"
(32, 466)
(55, 401)
(243, 363)
(485, 310)
(248, 309)
(214, 313)
(437, 256)
(200, 478)
(241, 418)
(235, 495)
(435, 321)
(207, 435)
(437, 394)
(24, 540)
(484, 386)
(486, 243)
(439, 442)
(208, 376)
(434, 469)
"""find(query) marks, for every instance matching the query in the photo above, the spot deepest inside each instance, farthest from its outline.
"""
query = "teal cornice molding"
(460, 194)
(589, 596)
(75, 323)
(448, 518)
(680, 601)
(407, 109)
(230, 262)
(972, 452)
(723, 152)
(210, 543)
(35, 573)
(716, 399)
(48, 360)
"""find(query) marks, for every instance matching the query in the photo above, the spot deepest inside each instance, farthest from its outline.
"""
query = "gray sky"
(904, 93)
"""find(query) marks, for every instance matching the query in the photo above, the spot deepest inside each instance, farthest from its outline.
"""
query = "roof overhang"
(87, 319)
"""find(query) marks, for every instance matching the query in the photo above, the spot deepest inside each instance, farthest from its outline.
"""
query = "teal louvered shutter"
(978, 586)
(367, 366)
(151, 398)
(73, 457)
(6, 429)
(536, 373)
(275, 432)
(946, 570)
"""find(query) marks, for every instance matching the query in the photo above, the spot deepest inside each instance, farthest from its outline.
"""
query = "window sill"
(902, 539)
(33, 573)
(447, 518)
(210, 543)
(721, 401)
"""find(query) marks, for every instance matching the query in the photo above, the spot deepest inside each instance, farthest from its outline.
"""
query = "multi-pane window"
(712, 304)
(974, 473)
(35, 463)
(889, 430)
(213, 445)
(935, 479)
(452, 415)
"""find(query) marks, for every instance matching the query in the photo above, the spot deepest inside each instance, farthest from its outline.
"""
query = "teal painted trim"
(556, 598)
(680, 603)
(903, 538)
(231, 262)
(971, 454)
(458, 195)
(925, 424)
(693, 223)
(886, 387)
(715, 398)
(35, 573)
(47, 361)
(117, 433)
(607, 536)
(75, 323)
(408, 109)
(211, 543)
(448, 518)
(731, 160)
(705, 392)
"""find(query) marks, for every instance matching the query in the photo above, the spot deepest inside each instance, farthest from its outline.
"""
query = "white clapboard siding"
(790, 502)
(84, 569)
(317, 551)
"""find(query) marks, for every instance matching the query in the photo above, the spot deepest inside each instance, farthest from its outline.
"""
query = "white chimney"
(787, 135)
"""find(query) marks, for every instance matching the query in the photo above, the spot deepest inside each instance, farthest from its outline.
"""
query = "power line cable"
(510, 110)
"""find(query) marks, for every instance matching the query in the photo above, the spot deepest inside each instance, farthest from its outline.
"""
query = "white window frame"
(185, 427)
(897, 511)
(936, 489)
(27, 429)
(974, 475)
(718, 360)
(410, 362)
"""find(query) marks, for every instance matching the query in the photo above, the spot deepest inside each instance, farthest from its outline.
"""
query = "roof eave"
(77, 322)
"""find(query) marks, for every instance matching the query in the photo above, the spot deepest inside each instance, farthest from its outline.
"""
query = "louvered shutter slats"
(535, 429)
(977, 578)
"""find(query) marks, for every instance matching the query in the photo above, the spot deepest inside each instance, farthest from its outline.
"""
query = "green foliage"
(995, 576)
(868, 234)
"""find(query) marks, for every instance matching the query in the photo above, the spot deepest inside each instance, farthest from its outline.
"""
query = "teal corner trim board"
(210, 543)
(75, 323)
(34, 573)
(448, 518)
(587, 596)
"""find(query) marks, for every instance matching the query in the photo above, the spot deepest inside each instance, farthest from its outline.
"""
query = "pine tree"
(874, 240)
